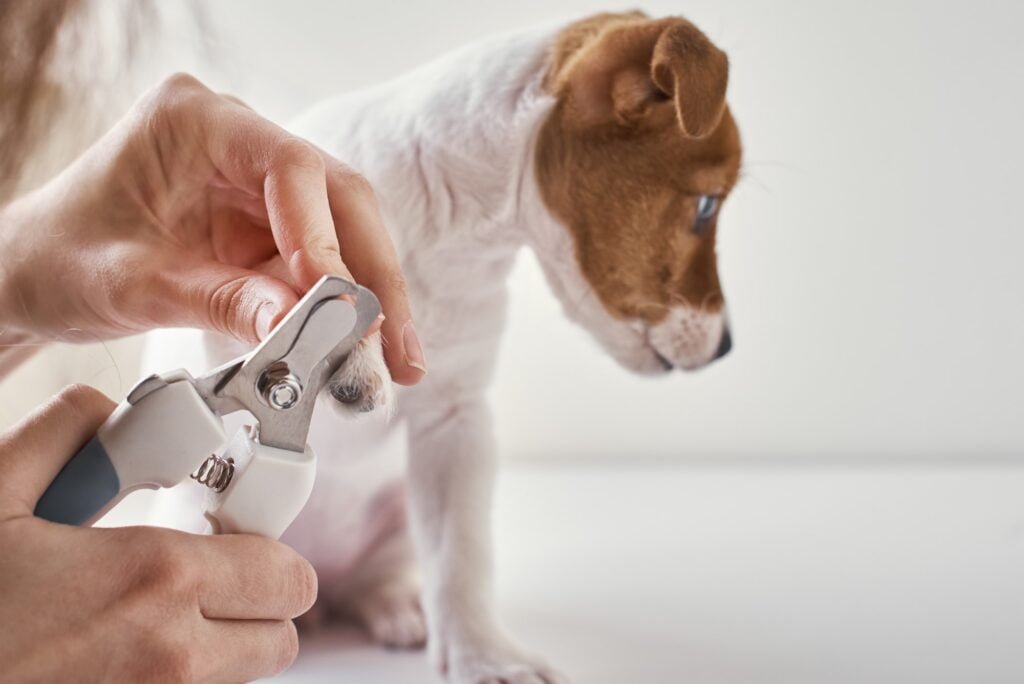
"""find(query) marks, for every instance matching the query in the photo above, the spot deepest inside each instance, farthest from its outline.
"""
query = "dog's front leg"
(451, 472)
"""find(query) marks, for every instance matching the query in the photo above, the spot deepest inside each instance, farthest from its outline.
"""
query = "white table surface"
(765, 570)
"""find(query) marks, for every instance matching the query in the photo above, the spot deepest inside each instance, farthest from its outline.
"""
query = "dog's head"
(635, 160)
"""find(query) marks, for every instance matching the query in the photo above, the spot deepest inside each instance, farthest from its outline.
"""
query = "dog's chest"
(358, 463)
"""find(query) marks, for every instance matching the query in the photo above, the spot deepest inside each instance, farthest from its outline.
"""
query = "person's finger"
(304, 202)
(243, 303)
(252, 578)
(371, 257)
(296, 193)
(34, 450)
(264, 159)
(245, 650)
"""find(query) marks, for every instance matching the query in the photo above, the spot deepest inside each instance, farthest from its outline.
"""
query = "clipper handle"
(153, 443)
(267, 490)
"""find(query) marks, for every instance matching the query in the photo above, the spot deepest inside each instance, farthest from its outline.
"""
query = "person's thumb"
(34, 450)
(228, 299)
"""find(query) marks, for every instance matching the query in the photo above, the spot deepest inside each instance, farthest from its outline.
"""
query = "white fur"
(688, 336)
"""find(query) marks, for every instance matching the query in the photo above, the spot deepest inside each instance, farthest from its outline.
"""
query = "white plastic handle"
(154, 443)
(267, 491)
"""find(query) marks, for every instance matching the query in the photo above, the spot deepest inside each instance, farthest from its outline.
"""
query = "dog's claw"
(346, 394)
(362, 384)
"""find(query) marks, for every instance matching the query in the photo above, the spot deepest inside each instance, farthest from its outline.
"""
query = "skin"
(192, 211)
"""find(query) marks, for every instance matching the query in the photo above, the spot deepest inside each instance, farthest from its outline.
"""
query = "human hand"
(131, 604)
(195, 211)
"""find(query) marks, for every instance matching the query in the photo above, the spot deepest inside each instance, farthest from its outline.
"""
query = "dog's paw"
(363, 383)
(393, 617)
(477, 659)
(388, 609)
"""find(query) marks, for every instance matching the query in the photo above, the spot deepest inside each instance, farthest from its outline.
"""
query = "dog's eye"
(707, 205)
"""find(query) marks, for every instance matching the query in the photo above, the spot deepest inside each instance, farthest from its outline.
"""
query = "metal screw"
(284, 393)
(279, 388)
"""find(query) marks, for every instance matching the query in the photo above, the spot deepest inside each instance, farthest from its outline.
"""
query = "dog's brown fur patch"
(639, 132)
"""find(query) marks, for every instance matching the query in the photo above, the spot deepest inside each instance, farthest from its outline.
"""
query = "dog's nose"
(725, 345)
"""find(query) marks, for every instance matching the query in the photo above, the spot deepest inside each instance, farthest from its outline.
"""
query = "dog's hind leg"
(383, 593)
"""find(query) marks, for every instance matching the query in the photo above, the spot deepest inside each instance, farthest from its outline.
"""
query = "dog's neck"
(449, 146)
(478, 131)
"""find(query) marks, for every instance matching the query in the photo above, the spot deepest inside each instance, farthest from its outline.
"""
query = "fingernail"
(413, 348)
(265, 319)
(375, 326)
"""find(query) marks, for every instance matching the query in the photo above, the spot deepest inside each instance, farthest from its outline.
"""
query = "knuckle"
(315, 257)
(321, 249)
(80, 397)
(181, 81)
(176, 92)
(176, 664)
(226, 301)
(162, 658)
(83, 401)
(235, 100)
(165, 569)
(294, 152)
(355, 184)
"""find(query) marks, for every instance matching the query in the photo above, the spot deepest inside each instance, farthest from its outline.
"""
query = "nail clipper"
(169, 428)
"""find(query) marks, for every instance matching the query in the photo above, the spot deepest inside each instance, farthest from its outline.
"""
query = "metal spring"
(215, 473)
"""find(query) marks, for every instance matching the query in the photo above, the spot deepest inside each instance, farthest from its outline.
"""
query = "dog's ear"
(687, 67)
(642, 72)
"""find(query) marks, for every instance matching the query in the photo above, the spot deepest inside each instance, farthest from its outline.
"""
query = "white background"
(870, 256)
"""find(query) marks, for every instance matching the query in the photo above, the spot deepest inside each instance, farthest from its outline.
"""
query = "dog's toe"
(493, 673)
(489, 661)
(346, 394)
(391, 614)
(398, 626)
(360, 398)
(362, 384)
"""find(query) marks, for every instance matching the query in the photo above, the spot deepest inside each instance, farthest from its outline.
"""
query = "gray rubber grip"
(82, 488)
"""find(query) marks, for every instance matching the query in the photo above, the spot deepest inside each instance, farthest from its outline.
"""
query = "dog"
(607, 147)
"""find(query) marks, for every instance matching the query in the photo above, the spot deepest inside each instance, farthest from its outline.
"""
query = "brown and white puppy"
(607, 147)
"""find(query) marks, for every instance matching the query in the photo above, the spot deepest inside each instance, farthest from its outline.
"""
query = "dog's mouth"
(665, 363)
(687, 345)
